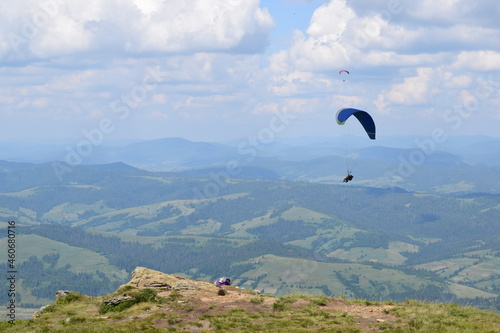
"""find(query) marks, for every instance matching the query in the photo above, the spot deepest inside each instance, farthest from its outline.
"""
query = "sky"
(218, 70)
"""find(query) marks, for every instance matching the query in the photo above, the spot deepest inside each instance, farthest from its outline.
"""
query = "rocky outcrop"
(158, 284)
(37, 313)
(63, 293)
(164, 284)
(118, 300)
(143, 277)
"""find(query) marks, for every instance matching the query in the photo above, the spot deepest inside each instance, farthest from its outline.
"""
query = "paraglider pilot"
(348, 177)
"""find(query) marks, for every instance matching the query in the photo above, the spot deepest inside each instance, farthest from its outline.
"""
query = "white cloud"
(290, 84)
(159, 98)
(456, 81)
(331, 19)
(321, 48)
(412, 91)
(340, 101)
(381, 105)
(484, 60)
(265, 108)
(338, 36)
(159, 115)
(75, 81)
(61, 37)
(299, 105)
(443, 10)
(393, 59)
(40, 102)
(287, 105)
(470, 103)
(32, 28)
(454, 11)
(431, 12)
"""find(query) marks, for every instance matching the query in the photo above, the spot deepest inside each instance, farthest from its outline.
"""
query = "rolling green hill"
(365, 242)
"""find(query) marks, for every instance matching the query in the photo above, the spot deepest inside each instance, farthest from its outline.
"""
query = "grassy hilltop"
(159, 302)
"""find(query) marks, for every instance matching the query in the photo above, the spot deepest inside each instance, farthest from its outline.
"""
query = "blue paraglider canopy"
(364, 118)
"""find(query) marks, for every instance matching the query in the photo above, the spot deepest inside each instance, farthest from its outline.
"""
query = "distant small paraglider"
(344, 71)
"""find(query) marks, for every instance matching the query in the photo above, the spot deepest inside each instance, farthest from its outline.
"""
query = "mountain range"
(404, 228)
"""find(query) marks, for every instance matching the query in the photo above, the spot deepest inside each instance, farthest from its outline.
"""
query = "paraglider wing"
(364, 118)
(344, 71)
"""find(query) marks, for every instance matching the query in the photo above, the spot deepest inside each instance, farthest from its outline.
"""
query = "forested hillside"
(276, 235)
